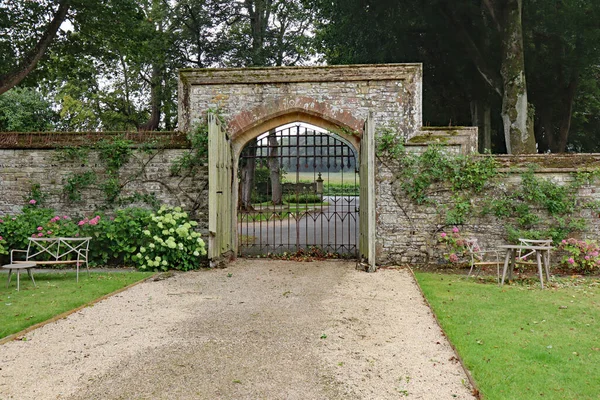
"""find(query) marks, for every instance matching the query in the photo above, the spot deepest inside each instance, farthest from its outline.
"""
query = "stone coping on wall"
(51, 140)
(464, 138)
(331, 73)
(549, 163)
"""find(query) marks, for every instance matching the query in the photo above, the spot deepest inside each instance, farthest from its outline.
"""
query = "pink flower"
(453, 258)
(595, 254)
(77, 234)
(1, 221)
(39, 228)
(1, 238)
(443, 234)
(65, 217)
(571, 261)
(93, 221)
(40, 234)
(455, 230)
(32, 201)
(564, 241)
(49, 233)
(82, 222)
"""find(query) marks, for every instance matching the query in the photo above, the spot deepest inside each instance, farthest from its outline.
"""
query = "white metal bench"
(57, 250)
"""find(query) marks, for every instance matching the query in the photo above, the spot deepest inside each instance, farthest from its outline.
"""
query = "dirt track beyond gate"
(255, 330)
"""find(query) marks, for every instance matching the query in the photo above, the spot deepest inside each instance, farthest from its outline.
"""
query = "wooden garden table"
(541, 253)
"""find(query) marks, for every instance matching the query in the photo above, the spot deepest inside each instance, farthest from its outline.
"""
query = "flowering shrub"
(456, 244)
(17, 230)
(165, 239)
(582, 255)
(116, 239)
(3, 249)
(171, 242)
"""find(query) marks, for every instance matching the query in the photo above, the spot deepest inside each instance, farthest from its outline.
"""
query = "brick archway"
(340, 99)
(247, 125)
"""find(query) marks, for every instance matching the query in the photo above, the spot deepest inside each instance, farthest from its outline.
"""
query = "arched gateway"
(351, 102)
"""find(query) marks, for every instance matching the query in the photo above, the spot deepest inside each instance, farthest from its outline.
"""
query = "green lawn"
(333, 178)
(56, 293)
(521, 342)
(270, 213)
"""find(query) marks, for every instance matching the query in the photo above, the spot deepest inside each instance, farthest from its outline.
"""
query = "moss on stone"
(423, 139)
(454, 129)
(552, 161)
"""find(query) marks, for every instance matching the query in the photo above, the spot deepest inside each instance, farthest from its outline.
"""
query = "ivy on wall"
(112, 153)
(533, 208)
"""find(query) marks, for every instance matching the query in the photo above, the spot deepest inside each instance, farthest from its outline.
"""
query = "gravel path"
(255, 330)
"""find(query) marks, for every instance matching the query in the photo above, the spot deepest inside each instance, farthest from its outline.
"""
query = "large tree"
(485, 56)
(562, 69)
(26, 36)
(265, 33)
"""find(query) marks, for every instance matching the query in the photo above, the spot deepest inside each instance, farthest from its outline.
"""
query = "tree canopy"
(525, 71)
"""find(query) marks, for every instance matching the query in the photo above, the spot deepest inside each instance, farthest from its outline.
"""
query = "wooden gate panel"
(367, 197)
(220, 177)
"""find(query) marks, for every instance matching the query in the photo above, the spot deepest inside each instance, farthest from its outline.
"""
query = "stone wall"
(147, 173)
(253, 100)
(408, 233)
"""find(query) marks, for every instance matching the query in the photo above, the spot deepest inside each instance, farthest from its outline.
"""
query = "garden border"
(16, 336)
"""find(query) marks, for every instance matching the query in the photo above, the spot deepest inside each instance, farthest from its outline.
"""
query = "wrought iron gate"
(303, 194)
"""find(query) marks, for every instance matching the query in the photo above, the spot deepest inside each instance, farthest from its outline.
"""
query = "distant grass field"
(333, 178)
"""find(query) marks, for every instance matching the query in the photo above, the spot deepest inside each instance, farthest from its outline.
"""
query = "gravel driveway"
(256, 330)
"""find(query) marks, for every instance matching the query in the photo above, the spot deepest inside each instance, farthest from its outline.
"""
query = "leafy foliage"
(25, 110)
(76, 182)
(295, 198)
(197, 155)
(420, 172)
(456, 245)
(535, 208)
(167, 234)
(582, 255)
(390, 142)
(171, 241)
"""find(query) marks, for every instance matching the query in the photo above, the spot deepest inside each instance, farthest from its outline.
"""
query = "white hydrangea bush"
(172, 242)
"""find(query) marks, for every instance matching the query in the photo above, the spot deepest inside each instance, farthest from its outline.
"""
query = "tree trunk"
(487, 128)
(13, 78)
(247, 176)
(155, 100)
(515, 109)
(565, 123)
(275, 170)
(474, 105)
(259, 12)
(476, 121)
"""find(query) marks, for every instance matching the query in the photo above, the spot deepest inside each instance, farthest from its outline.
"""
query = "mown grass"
(56, 293)
(521, 342)
(277, 213)
(331, 178)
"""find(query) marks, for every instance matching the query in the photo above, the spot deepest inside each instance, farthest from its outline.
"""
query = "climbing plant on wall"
(113, 154)
(532, 207)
